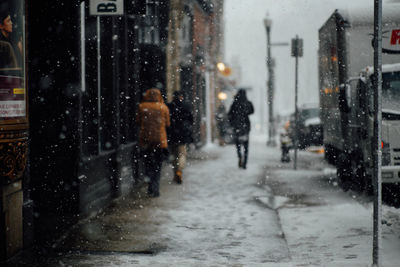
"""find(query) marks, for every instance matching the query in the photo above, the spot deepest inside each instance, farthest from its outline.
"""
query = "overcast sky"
(245, 38)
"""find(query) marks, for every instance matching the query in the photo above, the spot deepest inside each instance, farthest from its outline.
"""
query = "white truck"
(346, 95)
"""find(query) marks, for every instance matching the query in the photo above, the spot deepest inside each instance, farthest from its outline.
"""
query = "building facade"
(194, 48)
(84, 78)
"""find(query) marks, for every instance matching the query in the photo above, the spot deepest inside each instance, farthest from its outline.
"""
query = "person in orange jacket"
(153, 118)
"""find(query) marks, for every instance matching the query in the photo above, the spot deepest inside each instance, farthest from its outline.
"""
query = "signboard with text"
(12, 97)
(106, 7)
(12, 72)
(297, 47)
(391, 40)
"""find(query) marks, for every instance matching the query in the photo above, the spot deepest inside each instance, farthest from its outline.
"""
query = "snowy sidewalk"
(267, 215)
(325, 226)
(215, 218)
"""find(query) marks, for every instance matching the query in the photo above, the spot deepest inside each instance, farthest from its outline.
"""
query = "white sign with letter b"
(106, 7)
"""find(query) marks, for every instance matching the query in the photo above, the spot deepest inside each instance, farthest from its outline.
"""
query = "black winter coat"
(180, 131)
(238, 114)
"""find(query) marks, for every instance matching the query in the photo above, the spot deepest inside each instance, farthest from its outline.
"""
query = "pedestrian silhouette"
(221, 118)
(153, 119)
(238, 116)
(180, 132)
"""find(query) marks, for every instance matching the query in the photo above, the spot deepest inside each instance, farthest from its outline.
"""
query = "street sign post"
(297, 51)
(377, 174)
(297, 47)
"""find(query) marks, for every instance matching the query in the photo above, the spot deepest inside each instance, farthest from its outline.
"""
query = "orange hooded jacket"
(153, 118)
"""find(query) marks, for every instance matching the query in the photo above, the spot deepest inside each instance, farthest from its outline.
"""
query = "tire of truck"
(359, 176)
(362, 180)
(351, 173)
(343, 171)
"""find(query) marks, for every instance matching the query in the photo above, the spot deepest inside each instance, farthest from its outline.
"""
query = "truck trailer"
(346, 95)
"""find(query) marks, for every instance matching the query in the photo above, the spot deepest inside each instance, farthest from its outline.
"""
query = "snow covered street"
(266, 215)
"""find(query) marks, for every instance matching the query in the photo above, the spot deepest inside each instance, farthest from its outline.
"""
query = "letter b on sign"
(106, 7)
(395, 38)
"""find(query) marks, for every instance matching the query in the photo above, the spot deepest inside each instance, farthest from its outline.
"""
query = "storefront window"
(149, 32)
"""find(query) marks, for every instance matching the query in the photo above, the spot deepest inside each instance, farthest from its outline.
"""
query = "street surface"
(266, 215)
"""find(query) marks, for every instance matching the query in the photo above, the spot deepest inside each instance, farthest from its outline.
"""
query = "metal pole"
(99, 120)
(208, 108)
(272, 86)
(271, 140)
(83, 73)
(377, 239)
(296, 141)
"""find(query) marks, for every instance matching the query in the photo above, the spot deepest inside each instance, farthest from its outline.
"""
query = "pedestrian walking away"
(223, 126)
(153, 118)
(238, 116)
(180, 132)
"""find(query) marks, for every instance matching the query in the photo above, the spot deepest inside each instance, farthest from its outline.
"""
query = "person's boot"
(151, 193)
(178, 177)
(240, 163)
(244, 163)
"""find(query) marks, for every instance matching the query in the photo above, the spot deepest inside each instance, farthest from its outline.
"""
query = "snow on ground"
(219, 220)
(267, 215)
(215, 218)
(325, 226)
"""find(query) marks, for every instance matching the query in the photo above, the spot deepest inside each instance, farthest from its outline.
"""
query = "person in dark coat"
(180, 132)
(221, 118)
(238, 116)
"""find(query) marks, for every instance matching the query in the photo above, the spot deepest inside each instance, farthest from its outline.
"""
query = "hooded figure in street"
(238, 116)
(152, 118)
(180, 132)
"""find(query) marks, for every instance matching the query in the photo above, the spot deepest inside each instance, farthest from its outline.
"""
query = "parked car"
(309, 127)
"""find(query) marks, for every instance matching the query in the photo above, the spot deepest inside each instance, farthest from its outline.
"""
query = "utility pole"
(377, 175)
(270, 92)
(297, 51)
(270, 83)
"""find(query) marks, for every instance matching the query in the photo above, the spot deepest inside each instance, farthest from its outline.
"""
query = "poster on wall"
(12, 80)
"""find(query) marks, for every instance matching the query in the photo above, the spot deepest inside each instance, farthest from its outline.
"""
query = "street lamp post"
(270, 87)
